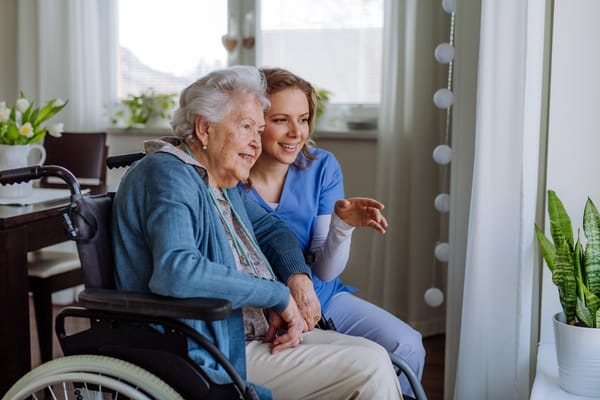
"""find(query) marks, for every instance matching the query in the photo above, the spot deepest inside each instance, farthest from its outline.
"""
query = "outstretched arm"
(362, 211)
(332, 234)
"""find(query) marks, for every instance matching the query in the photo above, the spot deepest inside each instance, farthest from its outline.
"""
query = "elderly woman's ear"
(201, 129)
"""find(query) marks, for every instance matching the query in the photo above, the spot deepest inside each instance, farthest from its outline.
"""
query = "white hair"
(211, 97)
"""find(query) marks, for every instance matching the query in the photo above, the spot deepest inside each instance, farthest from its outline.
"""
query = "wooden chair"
(84, 154)
(50, 270)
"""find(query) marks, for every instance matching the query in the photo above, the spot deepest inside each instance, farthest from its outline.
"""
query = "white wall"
(573, 166)
(8, 50)
(358, 160)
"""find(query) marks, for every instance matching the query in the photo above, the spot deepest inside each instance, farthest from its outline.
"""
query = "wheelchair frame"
(123, 321)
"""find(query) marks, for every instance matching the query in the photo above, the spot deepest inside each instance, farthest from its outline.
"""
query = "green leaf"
(591, 227)
(584, 316)
(26, 115)
(546, 246)
(37, 137)
(48, 111)
(563, 277)
(32, 119)
(13, 134)
(592, 303)
(560, 223)
(578, 263)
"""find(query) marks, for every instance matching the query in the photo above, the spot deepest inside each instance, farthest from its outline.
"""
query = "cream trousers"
(326, 365)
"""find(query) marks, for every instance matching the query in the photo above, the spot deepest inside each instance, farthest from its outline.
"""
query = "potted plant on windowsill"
(575, 271)
(148, 109)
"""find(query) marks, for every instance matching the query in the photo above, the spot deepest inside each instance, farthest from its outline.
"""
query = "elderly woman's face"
(234, 144)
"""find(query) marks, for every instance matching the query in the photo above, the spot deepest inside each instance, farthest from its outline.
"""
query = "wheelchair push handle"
(123, 160)
(25, 174)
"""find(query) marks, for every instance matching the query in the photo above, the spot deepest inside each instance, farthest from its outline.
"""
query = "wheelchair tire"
(86, 377)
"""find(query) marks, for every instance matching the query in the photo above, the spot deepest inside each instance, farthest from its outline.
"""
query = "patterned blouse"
(255, 321)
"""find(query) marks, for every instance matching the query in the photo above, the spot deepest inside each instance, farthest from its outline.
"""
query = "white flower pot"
(17, 156)
(578, 356)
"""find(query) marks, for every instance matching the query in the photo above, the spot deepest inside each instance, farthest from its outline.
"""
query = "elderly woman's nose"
(256, 142)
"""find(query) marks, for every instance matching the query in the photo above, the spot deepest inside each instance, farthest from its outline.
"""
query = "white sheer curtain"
(67, 50)
(407, 178)
(498, 319)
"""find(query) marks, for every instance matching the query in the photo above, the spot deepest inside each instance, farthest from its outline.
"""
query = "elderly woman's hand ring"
(317, 318)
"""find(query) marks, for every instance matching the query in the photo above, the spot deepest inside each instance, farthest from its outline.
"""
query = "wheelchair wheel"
(90, 377)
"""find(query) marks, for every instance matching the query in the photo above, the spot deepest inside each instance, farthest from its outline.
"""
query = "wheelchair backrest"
(91, 218)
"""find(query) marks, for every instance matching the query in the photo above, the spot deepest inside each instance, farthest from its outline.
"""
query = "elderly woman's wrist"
(300, 278)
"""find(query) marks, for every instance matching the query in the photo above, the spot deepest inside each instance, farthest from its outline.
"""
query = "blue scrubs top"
(308, 193)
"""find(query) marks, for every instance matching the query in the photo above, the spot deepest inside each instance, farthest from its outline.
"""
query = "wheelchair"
(134, 345)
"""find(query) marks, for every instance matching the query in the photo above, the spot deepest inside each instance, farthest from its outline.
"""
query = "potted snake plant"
(575, 267)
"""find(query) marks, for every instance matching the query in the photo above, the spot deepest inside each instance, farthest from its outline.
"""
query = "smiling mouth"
(248, 158)
(289, 147)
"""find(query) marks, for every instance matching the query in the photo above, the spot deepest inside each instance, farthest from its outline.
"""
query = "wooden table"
(22, 229)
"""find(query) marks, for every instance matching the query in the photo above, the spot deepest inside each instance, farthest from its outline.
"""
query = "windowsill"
(545, 384)
(148, 131)
(346, 134)
(356, 134)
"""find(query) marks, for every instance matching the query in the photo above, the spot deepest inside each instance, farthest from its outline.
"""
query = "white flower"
(4, 113)
(56, 130)
(24, 123)
(22, 105)
(26, 130)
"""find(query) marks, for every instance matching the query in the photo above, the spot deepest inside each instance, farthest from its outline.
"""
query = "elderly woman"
(181, 228)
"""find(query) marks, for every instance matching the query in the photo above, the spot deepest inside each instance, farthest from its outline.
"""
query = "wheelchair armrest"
(153, 305)
(413, 380)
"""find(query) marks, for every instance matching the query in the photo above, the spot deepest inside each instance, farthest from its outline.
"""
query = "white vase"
(17, 156)
(578, 356)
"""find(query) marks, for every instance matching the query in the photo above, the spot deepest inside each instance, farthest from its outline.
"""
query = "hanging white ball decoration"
(434, 297)
(442, 154)
(443, 98)
(441, 251)
(442, 202)
(444, 53)
(449, 6)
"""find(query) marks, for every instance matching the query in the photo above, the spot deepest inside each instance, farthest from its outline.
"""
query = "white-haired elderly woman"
(182, 229)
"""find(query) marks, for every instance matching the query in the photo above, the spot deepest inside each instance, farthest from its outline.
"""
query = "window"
(335, 44)
(170, 44)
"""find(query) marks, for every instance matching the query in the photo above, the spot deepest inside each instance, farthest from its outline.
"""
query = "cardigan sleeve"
(277, 241)
(170, 243)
